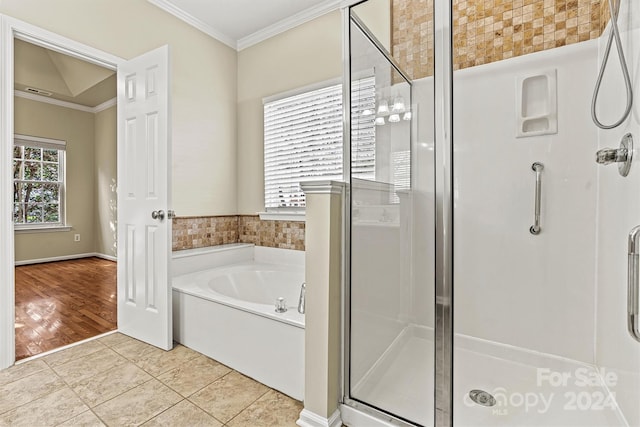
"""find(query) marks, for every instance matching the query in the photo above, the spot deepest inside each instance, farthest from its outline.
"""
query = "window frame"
(294, 213)
(50, 144)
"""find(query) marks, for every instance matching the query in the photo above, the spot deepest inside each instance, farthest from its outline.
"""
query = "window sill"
(47, 229)
(283, 216)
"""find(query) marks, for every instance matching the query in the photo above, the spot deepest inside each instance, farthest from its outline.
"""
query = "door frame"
(10, 29)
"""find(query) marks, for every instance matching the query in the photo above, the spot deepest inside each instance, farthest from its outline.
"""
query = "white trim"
(323, 187)
(311, 419)
(105, 105)
(13, 28)
(52, 101)
(43, 229)
(30, 138)
(105, 256)
(66, 104)
(62, 258)
(194, 22)
(65, 347)
(283, 216)
(301, 90)
(288, 23)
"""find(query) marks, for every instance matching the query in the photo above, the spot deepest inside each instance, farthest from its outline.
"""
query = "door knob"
(157, 215)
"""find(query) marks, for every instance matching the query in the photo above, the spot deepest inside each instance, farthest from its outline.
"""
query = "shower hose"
(613, 34)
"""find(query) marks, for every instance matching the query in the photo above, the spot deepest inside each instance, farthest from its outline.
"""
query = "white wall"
(512, 287)
(304, 55)
(203, 86)
(618, 213)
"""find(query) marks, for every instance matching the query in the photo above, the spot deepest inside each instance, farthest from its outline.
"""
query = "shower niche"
(536, 104)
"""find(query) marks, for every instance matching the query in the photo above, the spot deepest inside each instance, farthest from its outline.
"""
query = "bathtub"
(228, 313)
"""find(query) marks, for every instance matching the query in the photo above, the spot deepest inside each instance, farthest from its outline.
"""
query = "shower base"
(530, 388)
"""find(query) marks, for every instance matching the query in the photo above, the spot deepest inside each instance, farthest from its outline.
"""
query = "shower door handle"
(633, 279)
(535, 228)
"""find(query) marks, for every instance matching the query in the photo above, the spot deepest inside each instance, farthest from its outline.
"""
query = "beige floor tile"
(48, 410)
(154, 360)
(271, 410)
(115, 339)
(133, 349)
(137, 405)
(184, 414)
(109, 384)
(22, 370)
(227, 397)
(88, 366)
(64, 356)
(192, 376)
(28, 389)
(86, 419)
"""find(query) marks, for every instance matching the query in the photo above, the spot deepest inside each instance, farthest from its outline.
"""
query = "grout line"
(247, 407)
(163, 411)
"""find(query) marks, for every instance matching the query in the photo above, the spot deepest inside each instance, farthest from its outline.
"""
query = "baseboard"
(65, 258)
(311, 419)
(105, 256)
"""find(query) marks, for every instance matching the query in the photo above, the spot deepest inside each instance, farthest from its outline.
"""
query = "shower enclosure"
(486, 249)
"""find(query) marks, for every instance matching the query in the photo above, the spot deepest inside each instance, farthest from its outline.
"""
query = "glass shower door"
(390, 364)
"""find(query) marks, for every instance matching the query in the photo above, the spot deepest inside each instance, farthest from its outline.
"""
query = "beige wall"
(105, 181)
(77, 129)
(376, 15)
(203, 86)
(304, 55)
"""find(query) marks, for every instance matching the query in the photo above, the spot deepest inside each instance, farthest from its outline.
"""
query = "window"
(38, 182)
(303, 141)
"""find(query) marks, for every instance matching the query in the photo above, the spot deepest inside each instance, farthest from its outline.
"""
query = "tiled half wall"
(204, 231)
(492, 30)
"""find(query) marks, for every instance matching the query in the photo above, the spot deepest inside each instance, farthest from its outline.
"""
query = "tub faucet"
(301, 301)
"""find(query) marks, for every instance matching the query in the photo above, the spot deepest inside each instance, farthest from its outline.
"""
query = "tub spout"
(301, 301)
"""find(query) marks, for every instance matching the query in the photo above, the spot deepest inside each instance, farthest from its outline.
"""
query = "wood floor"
(63, 302)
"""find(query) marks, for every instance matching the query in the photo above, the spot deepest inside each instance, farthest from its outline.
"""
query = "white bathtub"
(228, 313)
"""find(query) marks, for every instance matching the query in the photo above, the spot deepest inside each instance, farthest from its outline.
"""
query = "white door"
(144, 173)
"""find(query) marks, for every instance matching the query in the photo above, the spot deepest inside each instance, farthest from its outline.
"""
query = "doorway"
(65, 201)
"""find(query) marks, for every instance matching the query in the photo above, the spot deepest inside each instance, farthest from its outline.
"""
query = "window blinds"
(303, 140)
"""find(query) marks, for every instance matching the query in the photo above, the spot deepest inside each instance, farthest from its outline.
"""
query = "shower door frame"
(443, 187)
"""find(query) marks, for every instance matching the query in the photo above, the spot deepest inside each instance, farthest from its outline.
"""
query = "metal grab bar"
(535, 228)
(632, 284)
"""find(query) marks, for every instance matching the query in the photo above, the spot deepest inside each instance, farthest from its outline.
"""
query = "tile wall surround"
(487, 31)
(273, 234)
(205, 231)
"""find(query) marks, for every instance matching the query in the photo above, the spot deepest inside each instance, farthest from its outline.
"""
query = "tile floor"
(119, 381)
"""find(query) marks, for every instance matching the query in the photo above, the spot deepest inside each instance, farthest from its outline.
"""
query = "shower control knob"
(622, 156)
(611, 155)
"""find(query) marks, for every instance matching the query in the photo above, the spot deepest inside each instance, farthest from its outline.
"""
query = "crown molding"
(106, 104)
(52, 101)
(288, 23)
(194, 22)
(39, 98)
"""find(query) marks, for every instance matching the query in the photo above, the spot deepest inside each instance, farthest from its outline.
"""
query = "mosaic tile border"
(487, 31)
(206, 231)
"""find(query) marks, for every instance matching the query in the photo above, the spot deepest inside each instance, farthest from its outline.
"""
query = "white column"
(323, 275)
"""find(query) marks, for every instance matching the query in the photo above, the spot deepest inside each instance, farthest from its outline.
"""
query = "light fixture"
(383, 107)
(379, 121)
(367, 112)
(407, 116)
(394, 118)
(398, 105)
